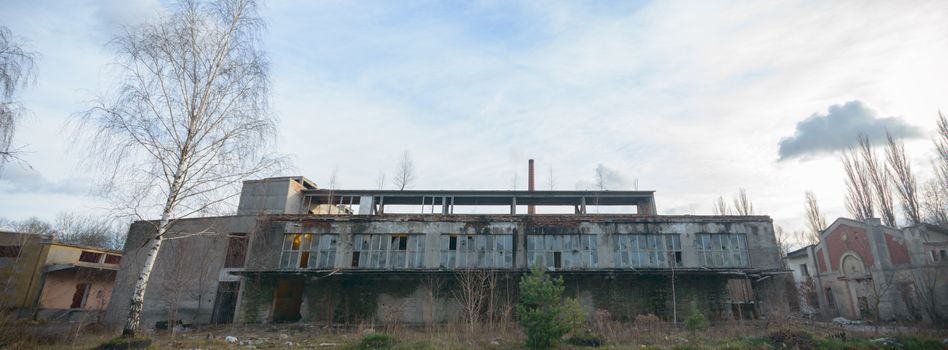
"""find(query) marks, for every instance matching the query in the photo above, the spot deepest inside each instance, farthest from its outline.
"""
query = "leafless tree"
(601, 177)
(471, 293)
(380, 180)
(720, 207)
(189, 120)
(900, 169)
(941, 147)
(16, 72)
(935, 202)
(859, 201)
(928, 278)
(879, 286)
(815, 220)
(879, 178)
(432, 285)
(742, 204)
(551, 181)
(405, 173)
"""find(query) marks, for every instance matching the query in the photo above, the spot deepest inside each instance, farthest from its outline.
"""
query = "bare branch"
(405, 173)
(719, 207)
(815, 220)
(878, 174)
(742, 204)
(900, 171)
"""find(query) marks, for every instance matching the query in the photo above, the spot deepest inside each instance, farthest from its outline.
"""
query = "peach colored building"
(42, 274)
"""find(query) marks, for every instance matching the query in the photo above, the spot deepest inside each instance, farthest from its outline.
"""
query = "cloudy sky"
(693, 99)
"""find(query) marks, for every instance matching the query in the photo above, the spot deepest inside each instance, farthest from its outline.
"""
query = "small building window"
(113, 259)
(9, 251)
(79, 296)
(90, 257)
(236, 251)
(803, 271)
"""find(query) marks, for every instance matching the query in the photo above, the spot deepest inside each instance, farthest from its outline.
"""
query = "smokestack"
(530, 187)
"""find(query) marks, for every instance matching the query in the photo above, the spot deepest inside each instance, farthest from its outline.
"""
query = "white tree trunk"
(133, 321)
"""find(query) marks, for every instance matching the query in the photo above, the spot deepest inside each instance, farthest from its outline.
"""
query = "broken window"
(483, 251)
(79, 297)
(379, 251)
(563, 251)
(90, 257)
(308, 251)
(647, 251)
(113, 259)
(722, 250)
(236, 250)
(9, 251)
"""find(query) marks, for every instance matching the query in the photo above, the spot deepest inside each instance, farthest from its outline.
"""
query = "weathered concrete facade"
(378, 266)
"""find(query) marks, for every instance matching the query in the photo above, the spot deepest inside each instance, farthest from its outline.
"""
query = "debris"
(284, 336)
(231, 339)
(846, 321)
(328, 344)
(887, 342)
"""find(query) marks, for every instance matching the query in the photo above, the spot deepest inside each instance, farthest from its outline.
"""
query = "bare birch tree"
(16, 70)
(879, 178)
(742, 204)
(858, 190)
(815, 220)
(404, 173)
(551, 181)
(188, 121)
(380, 180)
(719, 207)
(900, 168)
(601, 178)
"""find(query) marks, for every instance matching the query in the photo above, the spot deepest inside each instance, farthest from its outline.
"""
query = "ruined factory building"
(298, 253)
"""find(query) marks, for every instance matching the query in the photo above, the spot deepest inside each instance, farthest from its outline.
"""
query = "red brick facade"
(898, 253)
(848, 239)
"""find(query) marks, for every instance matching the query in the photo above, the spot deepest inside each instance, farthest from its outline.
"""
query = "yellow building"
(39, 273)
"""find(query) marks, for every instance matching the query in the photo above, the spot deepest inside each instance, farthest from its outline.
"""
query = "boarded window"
(90, 257)
(9, 251)
(236, 251)
(113, 259)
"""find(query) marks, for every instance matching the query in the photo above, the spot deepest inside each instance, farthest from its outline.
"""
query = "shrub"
(376, 341)
(122, 343)
(696, 322)
(791, 338)
(586, 338)
(542, 313)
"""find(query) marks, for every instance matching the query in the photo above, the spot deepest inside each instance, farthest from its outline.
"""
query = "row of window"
(375, 251)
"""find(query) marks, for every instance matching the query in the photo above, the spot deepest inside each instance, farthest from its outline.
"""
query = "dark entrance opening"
(226, 302)
(287, 299)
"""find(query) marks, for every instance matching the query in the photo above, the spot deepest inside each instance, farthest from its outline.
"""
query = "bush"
(376, 341)
(696, 322)
(542, 312)
(790, 338)
(586, 338)
(122, 343)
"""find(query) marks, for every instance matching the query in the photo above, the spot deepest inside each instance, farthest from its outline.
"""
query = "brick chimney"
(530, 187)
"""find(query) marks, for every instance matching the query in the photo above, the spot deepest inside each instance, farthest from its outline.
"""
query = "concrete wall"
(279, 195)
(186, 274)
(20, 276)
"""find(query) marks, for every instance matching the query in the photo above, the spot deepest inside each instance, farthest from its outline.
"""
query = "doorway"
(287, 298)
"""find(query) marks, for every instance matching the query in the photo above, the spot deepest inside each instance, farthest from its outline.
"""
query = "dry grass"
(645, 332)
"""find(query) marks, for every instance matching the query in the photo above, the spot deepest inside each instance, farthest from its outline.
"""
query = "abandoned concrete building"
(865, 270)
(297, 253)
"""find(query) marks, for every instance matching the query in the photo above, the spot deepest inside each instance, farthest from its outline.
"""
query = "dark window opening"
(804, 271)
(9, 251)
(226, 302)
(236, 251)
(944, 254)
(79, 297)
(113, 259)
(677, 258)
(355, 259)
(90, 257)
(403, 244)
(557, 259)
(304, 259)
(453, 243)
